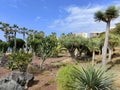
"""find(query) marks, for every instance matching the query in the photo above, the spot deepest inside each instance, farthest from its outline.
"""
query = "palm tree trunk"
(23, 36)
(93, 57)
(15, 41)
(6, 36)
(33, 36)
(104, 50)
(24, 39)
(79, 52)
(34, 57)
(26, 45)
(110, 54)
(72, 54)
(41, 64)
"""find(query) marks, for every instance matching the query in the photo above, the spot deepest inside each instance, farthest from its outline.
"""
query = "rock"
(3, 60)
(22, 78)
(10, 85)
(16, 80)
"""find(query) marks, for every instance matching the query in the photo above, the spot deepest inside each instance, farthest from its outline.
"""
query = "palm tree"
(11, 35)
(114, 41)
(24, 32)
(30, 35)
(110, 14)
(69, 42)
(30, 31)
(93, 45)
(15, 30)
(6, 29)
(1, 26)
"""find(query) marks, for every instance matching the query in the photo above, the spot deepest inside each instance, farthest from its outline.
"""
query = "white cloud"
(80, 20)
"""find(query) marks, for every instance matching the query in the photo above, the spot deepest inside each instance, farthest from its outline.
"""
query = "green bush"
(90, 78)
(19, 60)
(3, 46)
(64, 78)
(19, 44)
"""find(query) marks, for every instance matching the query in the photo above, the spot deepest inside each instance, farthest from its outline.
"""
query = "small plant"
(19, 60)
(89, 78)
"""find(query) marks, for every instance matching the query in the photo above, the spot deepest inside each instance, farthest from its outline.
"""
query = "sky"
(60, 16)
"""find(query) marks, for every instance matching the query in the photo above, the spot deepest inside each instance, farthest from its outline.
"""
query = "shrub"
(64, 77)
(19, 44)
(3, 47)
(19, 60)
(89, 78)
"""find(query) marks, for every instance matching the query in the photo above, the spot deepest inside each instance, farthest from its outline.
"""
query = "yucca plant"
(91, 78)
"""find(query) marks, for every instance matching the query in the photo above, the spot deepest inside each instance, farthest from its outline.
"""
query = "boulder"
(3, 60)
(17, 80)
(22, 78)
(10, 85)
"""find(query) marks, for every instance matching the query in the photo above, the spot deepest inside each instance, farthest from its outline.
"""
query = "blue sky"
(60, 16)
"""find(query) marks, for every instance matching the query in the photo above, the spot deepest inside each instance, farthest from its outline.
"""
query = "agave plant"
(91, 78)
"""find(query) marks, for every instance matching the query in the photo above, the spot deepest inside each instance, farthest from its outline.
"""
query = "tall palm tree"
(30, 31)
(30, 34)
(23, 31)
(15, 30)
(111, 13)
(1, 25)
(93, 45)
(6, 29)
